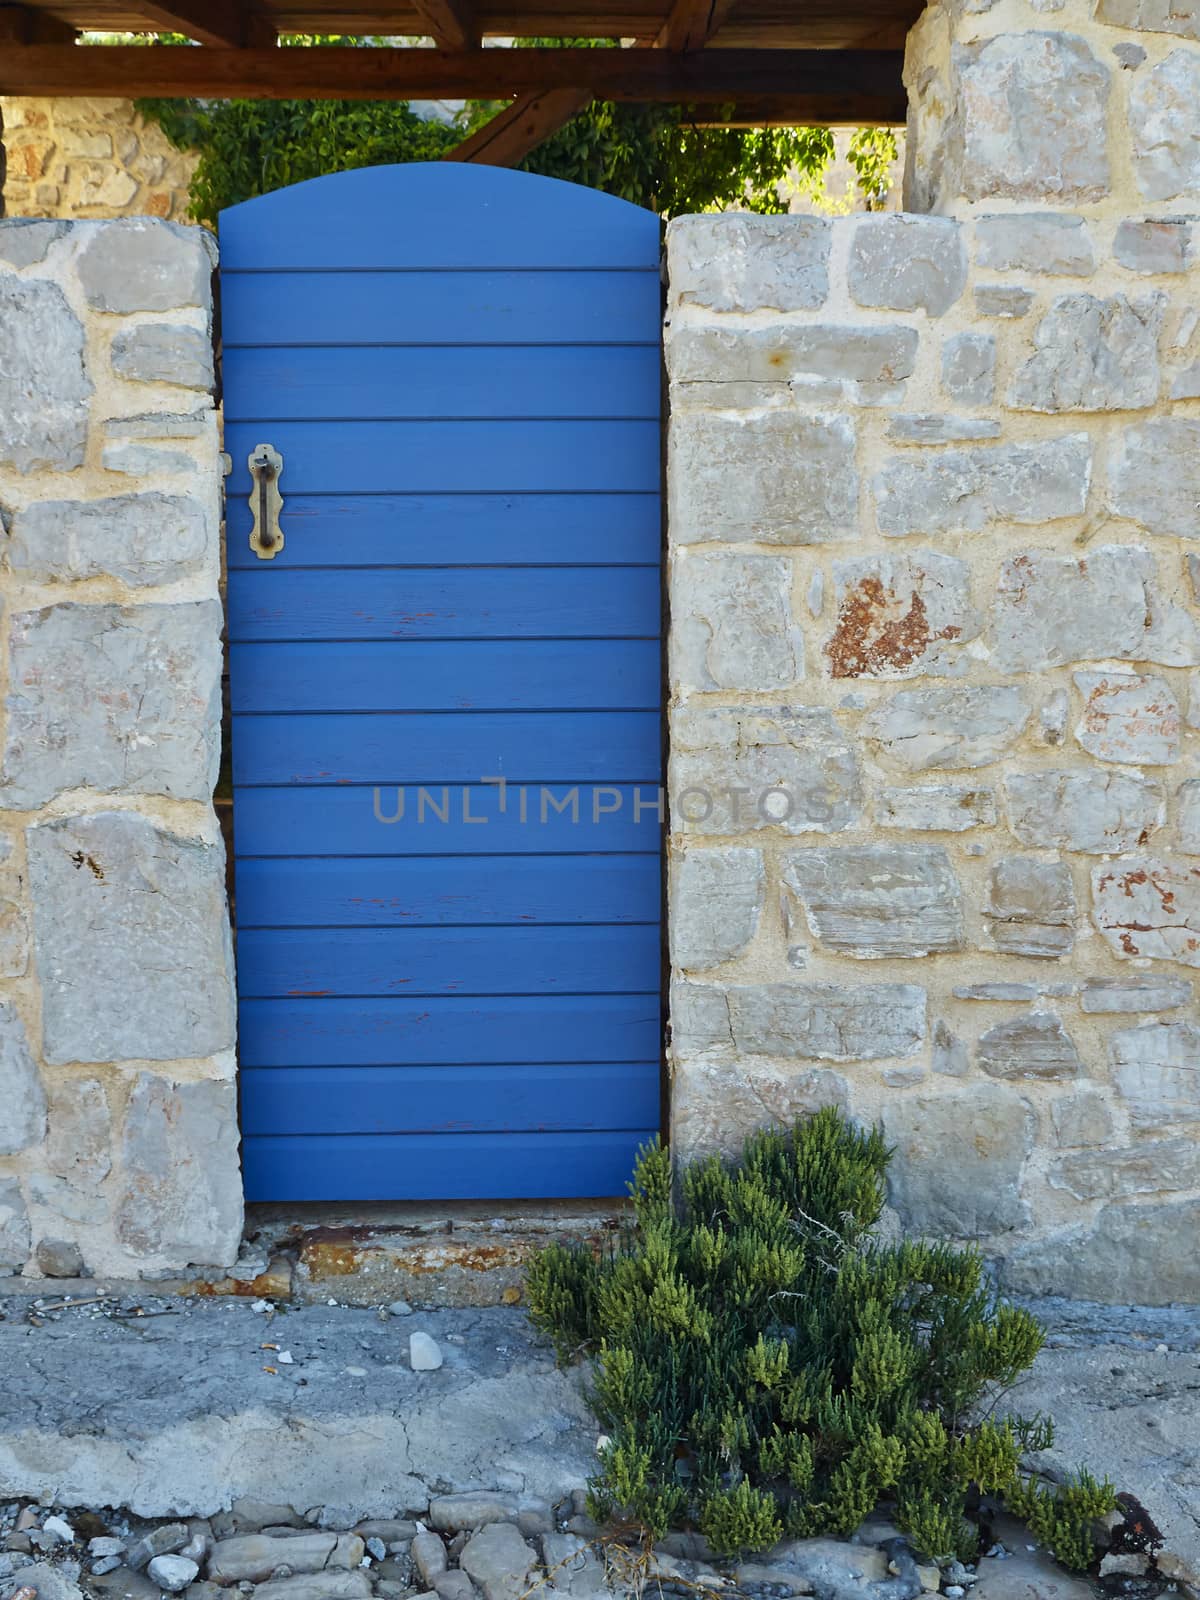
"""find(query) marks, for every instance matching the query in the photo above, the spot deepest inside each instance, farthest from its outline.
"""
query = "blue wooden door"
(446, 685)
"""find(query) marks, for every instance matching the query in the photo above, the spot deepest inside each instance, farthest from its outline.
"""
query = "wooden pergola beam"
(452, 23)
(21, 25)
(810, 86)
(223, 23)
(524, 124)
(691, 24)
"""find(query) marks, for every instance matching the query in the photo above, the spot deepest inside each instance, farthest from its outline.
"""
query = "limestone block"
(15, 1238)
(741, 768)
(1155, 244)
(1188, 832)
(1156, 476)
(1128, 717)
(948, 1054)
(1034, 116)
(132, 940)
(162, 352)
(935, 808)
(24, 241)
(79, 1146)
(700, 1021)
(139, 538)
(1149, 908)
(958, 1160)
(1147, 1168)
(145, 461)
(859, 355)
(969, 368)
(1135, 994)
(716, 901)
(142, 264)
(825, 1021)
(23, 1119)
(878, 901)
(1130, 1255)
(1152, 16)
(1082, 1118)
(1034, 1045)
(732, 622)
(731, 261)
(1157, 1070)
(163, 425)
(778, 477)
(1165, 126)
(1080, 809)
(181, 1190)
(1051, 610)
(1035, 241)
(932, 729)
(113, 698)
(928, 429)
(1092, 354)
(715, 1106)
(1002, 300)
(1031, 906)
(44, 386)
(900, 616)
(965, 491)
(907, 263)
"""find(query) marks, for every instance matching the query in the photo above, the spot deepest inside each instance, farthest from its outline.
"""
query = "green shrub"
(764, 1365)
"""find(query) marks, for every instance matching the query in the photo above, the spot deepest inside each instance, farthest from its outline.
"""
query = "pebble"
(161, 1541)
(424, 1354)
(400, 1308)
(106, 1545)
(376, 1548)
(103, 1564)
(60, 1528)
(954, 1590)
(173, 1573)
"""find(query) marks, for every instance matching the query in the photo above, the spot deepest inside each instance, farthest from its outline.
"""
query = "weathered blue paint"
(449, 988)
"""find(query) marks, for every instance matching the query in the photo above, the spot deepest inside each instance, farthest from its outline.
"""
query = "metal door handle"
(266, 502)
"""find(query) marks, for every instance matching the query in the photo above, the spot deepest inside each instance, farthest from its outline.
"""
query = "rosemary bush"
(765, 1367)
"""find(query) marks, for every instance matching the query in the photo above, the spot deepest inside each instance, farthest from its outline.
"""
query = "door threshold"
(457, 1253)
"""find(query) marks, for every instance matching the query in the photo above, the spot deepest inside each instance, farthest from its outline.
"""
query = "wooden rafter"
(216, 22)
(512, 133)
(21, 25)
(451, 22)
(691, 24)
(808, 85)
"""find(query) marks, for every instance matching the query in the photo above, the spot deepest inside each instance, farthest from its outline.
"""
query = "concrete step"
(186, 1407)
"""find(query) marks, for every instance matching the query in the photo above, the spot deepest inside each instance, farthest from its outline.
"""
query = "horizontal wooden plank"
(364, 218)
(292, 1101)
(559, 381)
(449, 675)
(372, 530)
(447, 747)
(468, 819)
(440, 308)
(270, 602)
(817, 86)
(500, 1166)
(417, 891)
(424, 457)
(524, 1029)
(308, 963)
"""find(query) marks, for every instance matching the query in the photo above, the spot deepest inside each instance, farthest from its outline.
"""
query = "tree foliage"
(764, 1365)
(653, 155)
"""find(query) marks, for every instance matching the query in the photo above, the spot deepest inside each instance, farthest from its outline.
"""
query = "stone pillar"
(934, 531)
(118, 1138)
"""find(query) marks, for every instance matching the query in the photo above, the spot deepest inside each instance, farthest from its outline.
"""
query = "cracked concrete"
(175, 1413)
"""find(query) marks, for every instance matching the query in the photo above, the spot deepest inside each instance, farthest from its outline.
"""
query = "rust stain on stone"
(875, 634)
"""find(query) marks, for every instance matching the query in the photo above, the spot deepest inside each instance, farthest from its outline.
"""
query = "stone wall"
(934, 491)
(89, 158)
(118, 1135)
